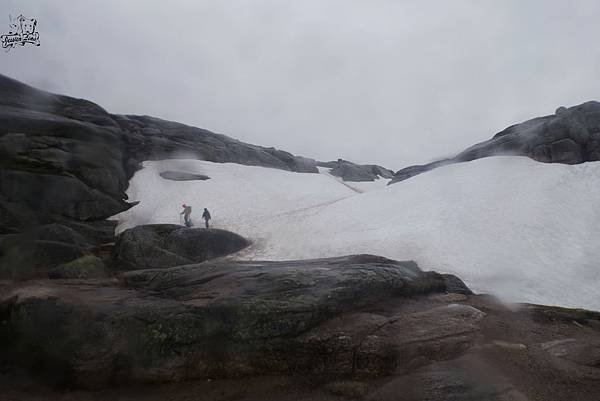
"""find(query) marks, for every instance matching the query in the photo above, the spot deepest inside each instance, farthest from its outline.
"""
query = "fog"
(387, 82)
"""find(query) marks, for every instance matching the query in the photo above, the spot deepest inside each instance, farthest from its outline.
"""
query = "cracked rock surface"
(225, 319)
(358, 327)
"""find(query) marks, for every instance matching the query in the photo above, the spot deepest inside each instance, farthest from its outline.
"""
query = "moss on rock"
(87, 266)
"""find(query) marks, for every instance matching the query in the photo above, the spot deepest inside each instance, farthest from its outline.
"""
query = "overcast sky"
(378, 81)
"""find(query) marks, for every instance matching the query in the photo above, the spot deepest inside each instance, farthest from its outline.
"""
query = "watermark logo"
(21, 32)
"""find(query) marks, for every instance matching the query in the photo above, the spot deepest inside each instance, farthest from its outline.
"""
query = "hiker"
(187, 210)
(206, 216)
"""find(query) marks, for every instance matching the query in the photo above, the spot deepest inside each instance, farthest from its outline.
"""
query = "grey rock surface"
(570, 136)
(168, 245)
(349, 171)
(224, 319)
(88, 266)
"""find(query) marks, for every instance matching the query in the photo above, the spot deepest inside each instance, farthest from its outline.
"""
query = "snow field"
(522, 230)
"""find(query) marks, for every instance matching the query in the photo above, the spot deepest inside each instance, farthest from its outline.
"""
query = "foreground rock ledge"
(226, 319)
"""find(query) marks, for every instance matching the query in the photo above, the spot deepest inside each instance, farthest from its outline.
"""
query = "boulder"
(168, 245)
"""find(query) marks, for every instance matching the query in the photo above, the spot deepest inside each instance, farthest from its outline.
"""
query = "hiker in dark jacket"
(206, 216)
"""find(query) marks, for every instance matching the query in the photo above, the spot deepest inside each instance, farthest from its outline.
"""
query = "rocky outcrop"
(349, 171)
(225, 319)
(182, 176)
(168, 245)
(68, 161)
(150, 138)
(360, 327)
(570, 136)
(53, 145)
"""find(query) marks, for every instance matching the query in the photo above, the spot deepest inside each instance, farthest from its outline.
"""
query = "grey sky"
(387, 82)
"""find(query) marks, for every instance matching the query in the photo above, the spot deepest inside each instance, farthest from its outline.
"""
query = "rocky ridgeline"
(65, 164)
(570, 136)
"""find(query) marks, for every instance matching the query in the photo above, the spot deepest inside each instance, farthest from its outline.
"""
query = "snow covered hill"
(509, 226)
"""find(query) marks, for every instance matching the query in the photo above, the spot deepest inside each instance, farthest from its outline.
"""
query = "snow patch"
(522, 230)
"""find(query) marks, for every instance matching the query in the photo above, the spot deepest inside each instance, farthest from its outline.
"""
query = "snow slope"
(522, 230)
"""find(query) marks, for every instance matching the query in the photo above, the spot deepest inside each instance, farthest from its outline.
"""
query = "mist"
(384, 82)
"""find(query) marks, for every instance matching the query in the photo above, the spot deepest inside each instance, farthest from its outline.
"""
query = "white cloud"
(385, 82)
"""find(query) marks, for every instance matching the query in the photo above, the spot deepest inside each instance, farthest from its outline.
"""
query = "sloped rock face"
(67, 161)
(349, 171)
(224, 319)
(87, 266)
(168, 245)
(570, 136)
(149, 138)
(53, 145)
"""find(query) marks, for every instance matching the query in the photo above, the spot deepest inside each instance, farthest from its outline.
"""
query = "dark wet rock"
(412, 171)
(455, 285)
(349, 171)
(465, 379)
(576, 358)
(224, 319)
(381, 345)
(59, 195)
(58, 233)
(168, 245)
(557, 314)
(34, 252)
(570, 136)
(380, 171)
(33, 258)
(347, 388)
(88, 266)
(14, 217)
(149, 138)
(182, 176)
(95, 232)
(371, 344)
